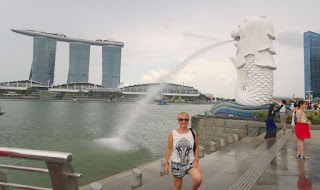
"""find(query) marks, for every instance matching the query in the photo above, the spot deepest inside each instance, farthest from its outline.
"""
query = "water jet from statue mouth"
(117, 143)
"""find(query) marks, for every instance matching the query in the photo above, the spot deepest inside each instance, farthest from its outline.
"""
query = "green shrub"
(289, 118)
(261, 115)
(314, 117)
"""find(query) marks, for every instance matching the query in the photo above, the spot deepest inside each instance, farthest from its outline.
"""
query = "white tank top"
(303, 116)
(182, 147)
(283, 109)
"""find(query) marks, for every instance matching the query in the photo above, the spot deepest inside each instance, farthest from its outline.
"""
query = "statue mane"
(255, 36)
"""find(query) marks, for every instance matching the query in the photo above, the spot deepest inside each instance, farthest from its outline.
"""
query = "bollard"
(3, 178)
(236, 137)
(136, 179)
(162, 166)
(222, 142)
(230, 139)
(213, 146)
(201, 152)
(96, 186)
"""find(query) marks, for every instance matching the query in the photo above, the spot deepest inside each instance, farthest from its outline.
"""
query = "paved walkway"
(287, 172)
(250, 163)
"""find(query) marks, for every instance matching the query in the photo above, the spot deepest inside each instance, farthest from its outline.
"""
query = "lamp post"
(309, 95)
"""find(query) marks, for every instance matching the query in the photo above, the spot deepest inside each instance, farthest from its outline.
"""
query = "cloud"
(154, 76)
(208, 76)
(124, 85)
(292, 38)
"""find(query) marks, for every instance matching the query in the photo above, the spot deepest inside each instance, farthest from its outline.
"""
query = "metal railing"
(58, 167)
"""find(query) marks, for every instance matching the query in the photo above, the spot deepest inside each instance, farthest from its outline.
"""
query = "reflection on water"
(303, 182)
(117, 143)
(87, 130)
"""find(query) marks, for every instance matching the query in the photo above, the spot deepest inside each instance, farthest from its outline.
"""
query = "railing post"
(60, 178)
(3, 178)
(58, 163)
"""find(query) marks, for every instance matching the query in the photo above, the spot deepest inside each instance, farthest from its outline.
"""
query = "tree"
(31, 89)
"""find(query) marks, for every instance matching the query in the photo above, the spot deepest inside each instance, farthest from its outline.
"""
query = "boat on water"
(163, 102)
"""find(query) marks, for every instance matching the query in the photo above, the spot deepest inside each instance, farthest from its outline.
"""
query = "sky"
(159, 35)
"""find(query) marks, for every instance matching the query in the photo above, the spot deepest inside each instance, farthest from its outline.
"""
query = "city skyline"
(158, 36)
(44, 54)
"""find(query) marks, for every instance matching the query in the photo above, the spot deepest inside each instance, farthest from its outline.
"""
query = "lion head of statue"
(254, 36)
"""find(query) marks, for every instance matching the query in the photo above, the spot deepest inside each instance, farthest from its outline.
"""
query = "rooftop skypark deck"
(64, 38)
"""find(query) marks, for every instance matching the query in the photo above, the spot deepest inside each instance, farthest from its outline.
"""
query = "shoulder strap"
(192, 134)
(194, 141)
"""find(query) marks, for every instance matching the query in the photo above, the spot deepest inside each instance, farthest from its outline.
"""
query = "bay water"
(90, 131)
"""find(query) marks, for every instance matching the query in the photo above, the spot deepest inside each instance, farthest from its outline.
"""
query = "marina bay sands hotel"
(44, 54)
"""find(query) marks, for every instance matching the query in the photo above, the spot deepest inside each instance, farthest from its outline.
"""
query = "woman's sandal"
(298, 155)
(304, 157)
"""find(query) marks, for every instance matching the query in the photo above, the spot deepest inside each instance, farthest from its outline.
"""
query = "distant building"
(167, 89)
(21, 85)
(44, 53)
(72, 87)
(79, 57)
(43, 63)
(312, 63)
(84, 87)
(111, 65)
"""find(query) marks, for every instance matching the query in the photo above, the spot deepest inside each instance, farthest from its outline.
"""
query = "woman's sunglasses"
(181, 119)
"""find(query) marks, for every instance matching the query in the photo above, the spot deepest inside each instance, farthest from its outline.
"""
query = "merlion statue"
(254, 61)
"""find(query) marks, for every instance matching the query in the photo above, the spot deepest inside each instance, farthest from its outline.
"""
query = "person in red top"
(302, 129)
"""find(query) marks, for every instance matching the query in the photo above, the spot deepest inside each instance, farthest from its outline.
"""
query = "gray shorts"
(180, 170)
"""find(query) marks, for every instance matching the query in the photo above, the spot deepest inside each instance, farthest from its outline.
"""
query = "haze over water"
(81, 128)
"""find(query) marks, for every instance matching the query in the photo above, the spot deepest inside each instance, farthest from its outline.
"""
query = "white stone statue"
(254, 61)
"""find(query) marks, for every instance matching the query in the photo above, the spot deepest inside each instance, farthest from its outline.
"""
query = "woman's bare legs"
(300, 147)
(177, 183)
(196, 178)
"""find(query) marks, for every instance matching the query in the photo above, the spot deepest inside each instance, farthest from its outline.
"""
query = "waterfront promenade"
(250, 163)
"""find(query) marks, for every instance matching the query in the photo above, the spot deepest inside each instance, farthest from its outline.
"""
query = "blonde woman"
(185, 155)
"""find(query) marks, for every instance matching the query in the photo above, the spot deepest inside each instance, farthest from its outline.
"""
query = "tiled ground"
(288, 172)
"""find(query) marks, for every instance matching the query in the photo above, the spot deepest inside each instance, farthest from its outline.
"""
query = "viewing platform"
(251, 163)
